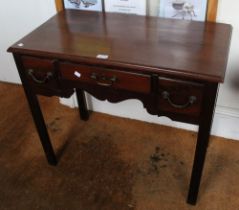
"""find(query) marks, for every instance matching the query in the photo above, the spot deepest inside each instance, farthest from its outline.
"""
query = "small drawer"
(83, 74)
(40, 72)
(180, 97)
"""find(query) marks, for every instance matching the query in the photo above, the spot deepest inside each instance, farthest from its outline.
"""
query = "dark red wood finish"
(183, 48)
(38, 79)
(179, 94)
(174, 67)
(111, 78)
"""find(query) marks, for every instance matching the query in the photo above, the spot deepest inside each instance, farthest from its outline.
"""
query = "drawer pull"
(48, 76)
(191, 101)
(103, 80)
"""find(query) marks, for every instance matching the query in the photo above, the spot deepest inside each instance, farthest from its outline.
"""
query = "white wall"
(17, 18)
(228, 13)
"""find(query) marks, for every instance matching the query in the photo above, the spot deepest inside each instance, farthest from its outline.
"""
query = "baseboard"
(225, 123)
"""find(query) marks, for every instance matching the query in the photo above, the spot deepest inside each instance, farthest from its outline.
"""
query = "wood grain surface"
(194, 50)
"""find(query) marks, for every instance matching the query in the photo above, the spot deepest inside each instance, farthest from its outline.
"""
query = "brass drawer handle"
(191, 101)
(48, 76)
(103, 80)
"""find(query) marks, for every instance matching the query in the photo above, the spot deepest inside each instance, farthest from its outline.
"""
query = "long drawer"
(111, 78)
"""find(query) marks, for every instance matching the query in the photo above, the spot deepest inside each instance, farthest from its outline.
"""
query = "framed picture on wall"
(184, 9)
(126, 6)
(152, 8)
(93, 5)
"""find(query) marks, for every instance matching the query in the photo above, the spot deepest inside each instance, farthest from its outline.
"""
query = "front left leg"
(36, 114)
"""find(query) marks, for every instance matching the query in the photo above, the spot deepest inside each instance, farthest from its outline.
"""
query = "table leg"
(209, 100)
(84, 113)
(36, 114)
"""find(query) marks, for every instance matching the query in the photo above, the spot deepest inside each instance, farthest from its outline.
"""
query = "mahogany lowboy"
(174, 67)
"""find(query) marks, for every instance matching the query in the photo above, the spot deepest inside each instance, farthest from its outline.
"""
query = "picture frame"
(211, 13)
(184, 9)
(92, 5)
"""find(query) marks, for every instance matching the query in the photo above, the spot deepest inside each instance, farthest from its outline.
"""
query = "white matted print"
(93, 5)
(184, 9)
(126, 6)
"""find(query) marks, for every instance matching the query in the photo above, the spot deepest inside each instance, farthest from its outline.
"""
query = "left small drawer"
(41, 74)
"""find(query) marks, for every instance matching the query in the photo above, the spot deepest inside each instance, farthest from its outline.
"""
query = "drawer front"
(42, 77)
(180, 97)
(40, 72)
(105, 77)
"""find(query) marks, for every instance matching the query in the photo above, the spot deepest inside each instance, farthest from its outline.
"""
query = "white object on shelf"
(126, 6)
(77, 74)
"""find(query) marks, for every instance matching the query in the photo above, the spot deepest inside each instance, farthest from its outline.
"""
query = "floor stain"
(101, 179)
(55, 125)
(158, 160)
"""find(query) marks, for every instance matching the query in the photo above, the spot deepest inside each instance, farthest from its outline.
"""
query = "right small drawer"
(180, 97)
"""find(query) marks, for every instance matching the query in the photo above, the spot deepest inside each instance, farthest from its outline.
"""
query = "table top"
(197, 50)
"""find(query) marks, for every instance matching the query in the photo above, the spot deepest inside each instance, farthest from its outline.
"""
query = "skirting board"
(225, 123)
